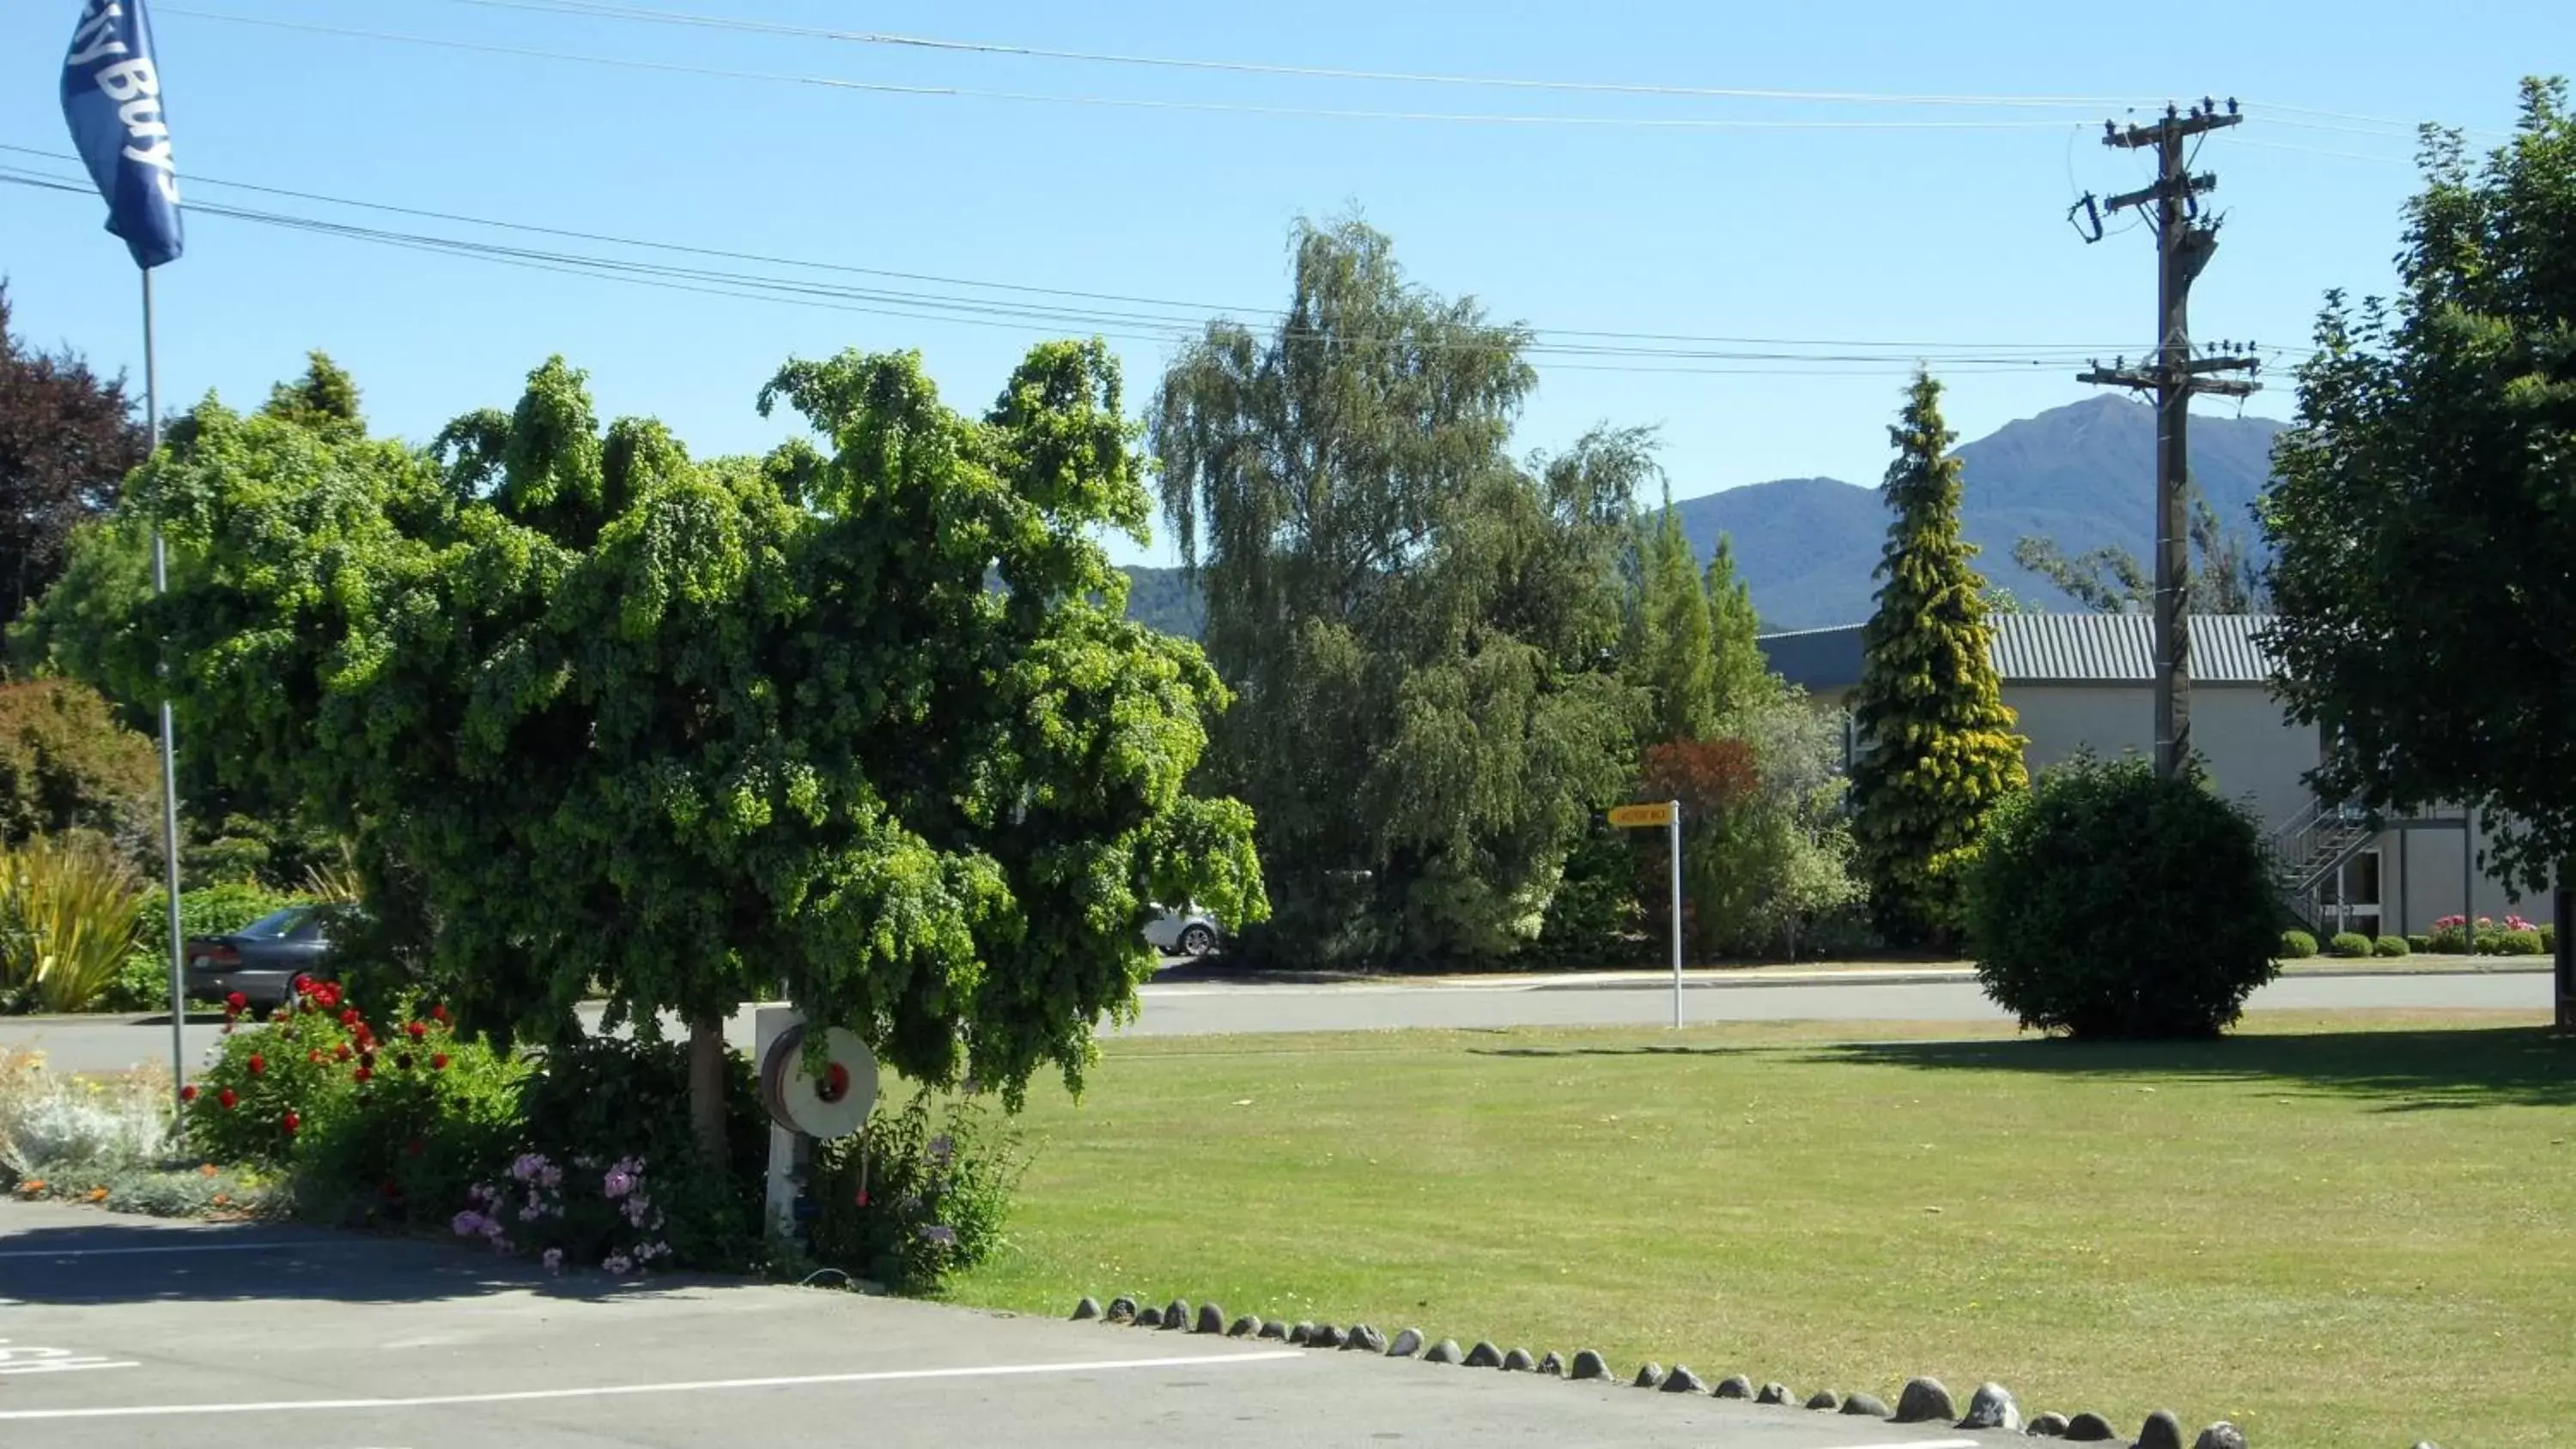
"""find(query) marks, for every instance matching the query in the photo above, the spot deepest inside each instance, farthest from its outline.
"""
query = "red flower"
(227, 1098)
(438, 1014)
(415, 1147)
(258, 1064)
(417, 1030)
(290, 1122)
(349, 1017)
(363, 1073)
(188, 1093)
(438, 1061)
(278, 1015)
(341, 1051)
(303, 984)
(314, 1056)
(236, 1002)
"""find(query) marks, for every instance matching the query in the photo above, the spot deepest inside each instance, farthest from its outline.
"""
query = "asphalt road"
(123, 1333)
(1212, 1006)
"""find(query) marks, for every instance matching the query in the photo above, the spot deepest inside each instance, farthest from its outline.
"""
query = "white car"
(1188, 932)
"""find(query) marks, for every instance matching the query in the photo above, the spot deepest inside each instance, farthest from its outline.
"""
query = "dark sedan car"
(262, 959)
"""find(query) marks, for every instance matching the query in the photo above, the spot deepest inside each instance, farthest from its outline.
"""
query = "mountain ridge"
(2082, 475)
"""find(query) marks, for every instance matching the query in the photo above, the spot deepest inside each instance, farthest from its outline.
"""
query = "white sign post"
(1669, 816)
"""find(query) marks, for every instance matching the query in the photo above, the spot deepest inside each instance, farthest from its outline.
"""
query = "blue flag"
(112, 98)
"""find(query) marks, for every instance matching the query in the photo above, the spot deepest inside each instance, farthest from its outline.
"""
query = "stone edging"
(1922, 1401)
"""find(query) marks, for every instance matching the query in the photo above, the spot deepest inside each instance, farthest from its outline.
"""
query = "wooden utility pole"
(2184, 242)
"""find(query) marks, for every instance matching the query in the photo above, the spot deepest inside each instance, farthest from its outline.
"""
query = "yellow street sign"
(1628, 817)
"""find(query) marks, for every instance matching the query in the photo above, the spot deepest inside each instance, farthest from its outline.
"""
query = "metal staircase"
(2313, 845)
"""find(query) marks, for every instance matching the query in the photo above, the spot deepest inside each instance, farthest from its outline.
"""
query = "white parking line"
(521, 1396)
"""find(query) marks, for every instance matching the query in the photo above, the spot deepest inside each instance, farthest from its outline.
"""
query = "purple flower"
(939, 1233)
(554, 1260)
(618, 1183)
(940, 1148)
(467, 1223)
(617, 1263)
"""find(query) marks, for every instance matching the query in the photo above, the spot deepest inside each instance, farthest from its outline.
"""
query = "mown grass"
(2338, 1230)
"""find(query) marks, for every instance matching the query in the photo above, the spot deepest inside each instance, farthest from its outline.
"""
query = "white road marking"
(522, 1396)
(30, 1359)
(140, 1252)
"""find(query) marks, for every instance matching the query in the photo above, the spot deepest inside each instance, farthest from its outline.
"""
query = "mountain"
(2082, 475)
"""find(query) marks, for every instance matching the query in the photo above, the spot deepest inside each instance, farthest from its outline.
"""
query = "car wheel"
(1197, 941)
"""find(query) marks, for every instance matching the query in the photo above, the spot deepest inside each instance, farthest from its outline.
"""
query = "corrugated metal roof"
(2049, 649)
(2120, 648)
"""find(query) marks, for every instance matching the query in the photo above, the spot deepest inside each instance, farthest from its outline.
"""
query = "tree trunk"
(706, 1088)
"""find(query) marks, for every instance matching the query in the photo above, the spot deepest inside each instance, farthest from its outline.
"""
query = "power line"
(600, 10)
(1651, 123)
(1882, 349)
(1019, 317)
(609, 10)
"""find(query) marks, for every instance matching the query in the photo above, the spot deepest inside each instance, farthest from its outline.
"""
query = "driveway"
(125, 1333)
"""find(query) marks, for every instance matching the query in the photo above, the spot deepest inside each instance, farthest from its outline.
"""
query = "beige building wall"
(2255, 753)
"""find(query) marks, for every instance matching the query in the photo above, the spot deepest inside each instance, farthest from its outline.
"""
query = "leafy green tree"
(1938, 749)
(1740, 675)
(67, 437)
(2419, 510)
(2110, 580)
(1423, 635)
(67, 764)
(1672, 653)
(596, 712)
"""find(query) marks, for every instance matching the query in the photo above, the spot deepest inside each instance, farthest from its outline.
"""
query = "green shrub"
(2448, 941)
(2518, 943)
(2349, 945)
(68, 910)
(2389, 946)
(2549, 940)
(2297, 946)
(591, 1103)
(2181, 871)
(2491, 943)
(2419, 943)
(67, 765)
(920, 1195)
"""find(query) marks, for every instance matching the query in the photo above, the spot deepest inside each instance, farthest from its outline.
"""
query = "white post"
(1673, 832)
(769, 1023)
(169, 733)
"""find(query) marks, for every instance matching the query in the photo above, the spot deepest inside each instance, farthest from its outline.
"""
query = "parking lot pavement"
(123, 1333)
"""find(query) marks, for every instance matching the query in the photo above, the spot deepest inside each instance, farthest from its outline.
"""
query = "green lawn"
(2337, 1231)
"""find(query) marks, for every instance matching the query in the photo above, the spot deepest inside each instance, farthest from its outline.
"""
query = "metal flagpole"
(169, 730)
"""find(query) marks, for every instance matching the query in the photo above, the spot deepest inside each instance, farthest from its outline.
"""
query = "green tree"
(2110, 580)
(67, 437)
(67, 764)
(1423, 635)
(1740, 676)
(593, 711)
(2419, 510)
(1938, 749)
(1673, 653)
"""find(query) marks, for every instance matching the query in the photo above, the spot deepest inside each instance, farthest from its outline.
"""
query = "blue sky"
(1904, 239)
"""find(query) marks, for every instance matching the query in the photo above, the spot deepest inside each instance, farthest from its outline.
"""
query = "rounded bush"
(2548, 940)
(2349, 944)
(2517, 943)
(2389, 946)
(2109, 903)
(2419, 943)
(2297, 946)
